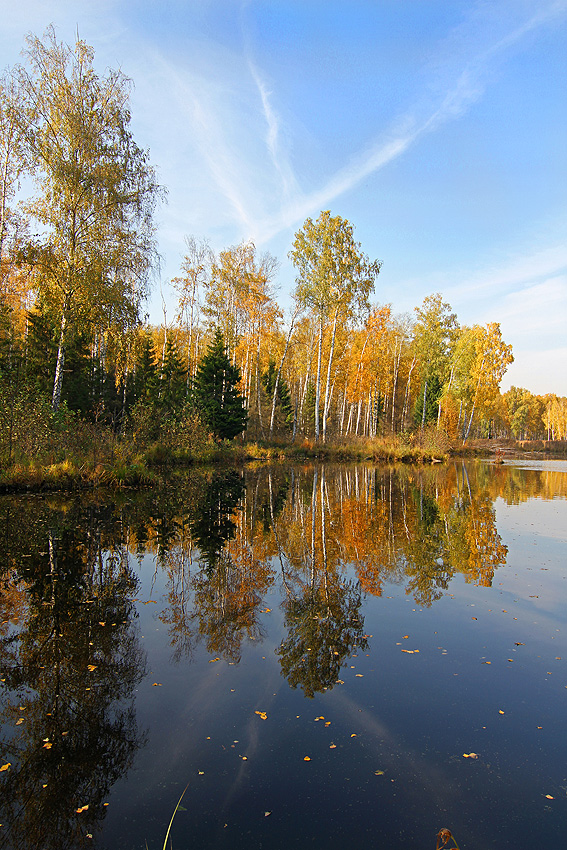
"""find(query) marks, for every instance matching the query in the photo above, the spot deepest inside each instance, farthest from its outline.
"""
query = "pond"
(318, 656)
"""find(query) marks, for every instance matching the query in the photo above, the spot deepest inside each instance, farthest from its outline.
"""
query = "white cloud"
(541, 308)
(540, 372)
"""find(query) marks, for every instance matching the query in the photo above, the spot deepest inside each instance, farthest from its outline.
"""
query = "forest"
(83, 374)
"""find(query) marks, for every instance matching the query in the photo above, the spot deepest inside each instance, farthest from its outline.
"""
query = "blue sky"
(439, 129)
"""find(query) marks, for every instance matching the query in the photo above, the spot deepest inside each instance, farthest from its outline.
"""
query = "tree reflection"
(68, 677)
(325, 628)
(212, 523)
(323, 615)
(324, 535)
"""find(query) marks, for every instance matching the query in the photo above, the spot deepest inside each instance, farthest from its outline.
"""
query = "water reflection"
(70, 660)
(300, 529)
(323, 537)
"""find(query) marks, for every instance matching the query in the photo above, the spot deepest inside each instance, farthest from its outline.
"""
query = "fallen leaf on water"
(339, 682)
(102, 624)
(333, 747)
(267, 611)
(359, 675)
(47, 746)
(261, 714)
(201, 773)
(306, 758)
(212, 660)
(319, 718)
(519, 644)
(157, 685)
(470, 755)
(549, 797)
(244, 758)
(379, 773)
(6, 766)
(500, 711)
(328, 723)
(487, 662)
(405, 637)
(267, 814)
(82, 809)
(20, 721)
(474, 618)
(91, 667)
(353, 735)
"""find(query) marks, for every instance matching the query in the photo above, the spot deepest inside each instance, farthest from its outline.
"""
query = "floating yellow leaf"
(379, 773)
(359, 675)
(20, 721)
(6, 766)
(82, 809)
(549, 797)
(201, 773)
(500, 711)
(91, 667)
(353, 735)
(244, 758)
(212, 660)
(405, 637)
(261, 714)
(306, 758)
(333, 747)
(47, 746)
(470, 755)
(328, 723)
(102, 623)
(319, 718)
(157, 685)
(267, 814)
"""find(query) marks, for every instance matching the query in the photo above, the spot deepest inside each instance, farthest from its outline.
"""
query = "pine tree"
(146, 373)
(173, 384)
(218, 399)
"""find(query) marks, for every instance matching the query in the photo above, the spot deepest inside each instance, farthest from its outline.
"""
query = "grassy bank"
(90, 456)
(97, 458)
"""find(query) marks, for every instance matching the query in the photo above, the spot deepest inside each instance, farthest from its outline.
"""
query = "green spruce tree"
(217, 397)
(173, 383)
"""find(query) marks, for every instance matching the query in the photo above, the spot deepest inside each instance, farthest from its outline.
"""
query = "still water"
(322, 656)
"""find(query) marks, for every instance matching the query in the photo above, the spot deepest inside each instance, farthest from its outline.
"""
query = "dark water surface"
(326, 657)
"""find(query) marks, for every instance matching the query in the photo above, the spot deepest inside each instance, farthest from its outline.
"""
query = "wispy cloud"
(273, 142)
(527, 268)
(468, 86)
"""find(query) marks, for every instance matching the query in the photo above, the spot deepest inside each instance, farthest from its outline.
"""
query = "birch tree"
(334, 277)
(96, 190)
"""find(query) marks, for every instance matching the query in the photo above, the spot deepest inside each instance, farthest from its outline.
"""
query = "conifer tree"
(146, 373)
(216, 393)
(173, 385)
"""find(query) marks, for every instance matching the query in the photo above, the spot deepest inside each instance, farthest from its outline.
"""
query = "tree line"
(78, 252)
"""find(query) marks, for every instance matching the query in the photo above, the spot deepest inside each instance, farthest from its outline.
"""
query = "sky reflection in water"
(313, 650)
